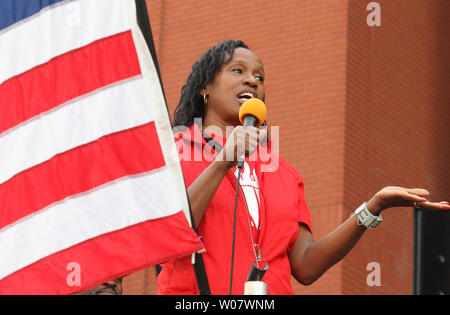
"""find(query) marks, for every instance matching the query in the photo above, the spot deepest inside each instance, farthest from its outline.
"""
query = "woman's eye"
(260, 78)
(237, 70)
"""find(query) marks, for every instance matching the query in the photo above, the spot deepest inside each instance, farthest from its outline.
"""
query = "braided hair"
(191, 103)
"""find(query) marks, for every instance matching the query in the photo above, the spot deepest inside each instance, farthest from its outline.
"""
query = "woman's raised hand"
(242, 141)
(394, 196)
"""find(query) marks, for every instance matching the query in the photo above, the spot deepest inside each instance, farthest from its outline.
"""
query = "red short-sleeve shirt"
(282, 208)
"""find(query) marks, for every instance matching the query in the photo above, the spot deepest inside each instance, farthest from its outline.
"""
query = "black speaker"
(431, 252)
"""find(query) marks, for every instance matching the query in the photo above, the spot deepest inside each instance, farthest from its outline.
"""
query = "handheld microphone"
(252, 113)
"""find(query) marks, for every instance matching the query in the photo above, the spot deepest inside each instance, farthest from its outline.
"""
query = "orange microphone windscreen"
(254, 107)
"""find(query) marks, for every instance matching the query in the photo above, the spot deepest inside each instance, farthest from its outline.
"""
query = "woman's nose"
(250, 80)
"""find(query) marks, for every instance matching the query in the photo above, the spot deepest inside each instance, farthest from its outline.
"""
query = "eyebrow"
(246, 62)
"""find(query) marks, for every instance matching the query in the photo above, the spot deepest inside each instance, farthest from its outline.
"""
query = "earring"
(205, 99)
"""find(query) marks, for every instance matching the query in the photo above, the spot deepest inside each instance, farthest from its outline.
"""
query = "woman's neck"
(215, 124)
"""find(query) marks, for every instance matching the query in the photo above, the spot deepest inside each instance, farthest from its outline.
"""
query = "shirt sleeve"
(191, 169)
(303, 210)
(303, 214)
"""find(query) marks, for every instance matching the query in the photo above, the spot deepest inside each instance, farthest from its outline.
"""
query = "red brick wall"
(397, 109)
(358, 108)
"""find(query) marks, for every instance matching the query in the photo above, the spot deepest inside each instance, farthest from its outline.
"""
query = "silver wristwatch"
(366, 218)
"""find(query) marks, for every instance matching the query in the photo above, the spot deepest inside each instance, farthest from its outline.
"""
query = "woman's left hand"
(393, 196)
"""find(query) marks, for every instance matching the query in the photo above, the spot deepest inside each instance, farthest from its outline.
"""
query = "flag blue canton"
(12, 11)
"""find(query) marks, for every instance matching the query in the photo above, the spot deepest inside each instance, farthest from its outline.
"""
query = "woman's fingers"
(442, 205)
(416, 198)
(263, 135)
(445, 205)
(419, 192)
(245, 140)
(393, 196)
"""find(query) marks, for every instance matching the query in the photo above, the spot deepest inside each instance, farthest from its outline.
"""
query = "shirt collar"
(194, 135)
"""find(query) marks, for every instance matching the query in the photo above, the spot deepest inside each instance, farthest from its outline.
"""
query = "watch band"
(366, 218)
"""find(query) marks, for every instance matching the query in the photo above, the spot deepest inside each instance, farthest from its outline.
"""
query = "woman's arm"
(310, 259)
(204, 187)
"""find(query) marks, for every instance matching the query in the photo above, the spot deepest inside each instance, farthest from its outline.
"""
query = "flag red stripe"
(66, 77)
(116, 254)
(127, 152)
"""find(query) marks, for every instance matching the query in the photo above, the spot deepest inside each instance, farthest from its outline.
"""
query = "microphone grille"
(254, 107)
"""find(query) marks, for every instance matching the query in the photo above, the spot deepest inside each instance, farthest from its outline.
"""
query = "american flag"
(88, 183)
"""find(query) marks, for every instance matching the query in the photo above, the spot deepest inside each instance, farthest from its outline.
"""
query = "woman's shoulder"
(287, 167)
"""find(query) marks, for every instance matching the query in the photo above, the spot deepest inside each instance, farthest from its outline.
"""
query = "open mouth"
(245, 96)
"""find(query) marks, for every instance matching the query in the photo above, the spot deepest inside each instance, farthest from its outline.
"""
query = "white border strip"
(86, 119)
(108, 208)
(59, 30)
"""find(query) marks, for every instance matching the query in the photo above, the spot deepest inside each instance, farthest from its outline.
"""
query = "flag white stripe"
(58, 30)
(111, 207)
(112, 109)
(159, 111)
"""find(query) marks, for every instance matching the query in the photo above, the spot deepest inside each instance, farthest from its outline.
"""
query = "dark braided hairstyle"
(203, 71)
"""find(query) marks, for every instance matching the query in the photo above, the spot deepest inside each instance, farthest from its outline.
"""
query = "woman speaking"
(273, 224)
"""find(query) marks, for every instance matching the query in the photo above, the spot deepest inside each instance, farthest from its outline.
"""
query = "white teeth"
(246, 94)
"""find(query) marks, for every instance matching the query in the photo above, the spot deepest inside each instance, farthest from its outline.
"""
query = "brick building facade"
(359, 108)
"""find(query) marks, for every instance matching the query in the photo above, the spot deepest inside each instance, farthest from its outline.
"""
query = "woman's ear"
(204, 95)
(204, 91)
